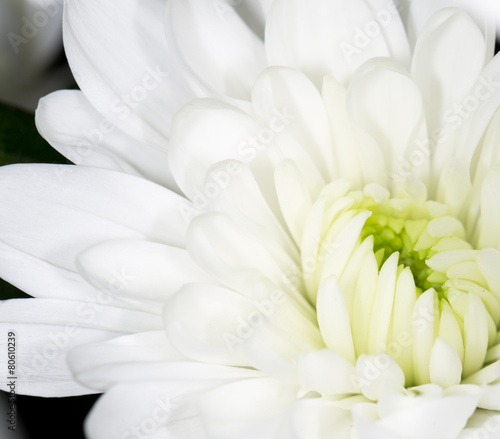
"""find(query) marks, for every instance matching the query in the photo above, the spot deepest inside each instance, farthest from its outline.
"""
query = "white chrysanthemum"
(332, 267)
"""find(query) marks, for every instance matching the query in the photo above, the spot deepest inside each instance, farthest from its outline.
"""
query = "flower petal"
(195, 27)
(449, 42)
(227, 415)
(313, 36)
(386, 110)
(47, 329)
(209, 323)
(100, 39)
(149, 270)
(73, 127)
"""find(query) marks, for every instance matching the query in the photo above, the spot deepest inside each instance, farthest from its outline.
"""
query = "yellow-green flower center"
(413, 286)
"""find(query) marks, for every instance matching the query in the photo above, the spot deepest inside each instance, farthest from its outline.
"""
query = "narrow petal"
(313, 36)
(227, 415)
(287, 101)
(142, 102)
(209, 323)
(450, 41)
(333, 319)
(386, 110)
(195, 27)
(149, 270)
(68, 121)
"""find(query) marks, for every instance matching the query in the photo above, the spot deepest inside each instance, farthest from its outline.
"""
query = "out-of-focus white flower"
(30, 45)
(331, 268)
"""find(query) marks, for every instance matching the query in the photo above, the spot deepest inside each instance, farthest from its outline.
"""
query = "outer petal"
(47, 329)
(196, 27)
(98, 204)
(153, 271)
(449, 42)
(73, 126)
(386, 111)
(104, 40)
(154, 409)
(334, 37)
(226, 414)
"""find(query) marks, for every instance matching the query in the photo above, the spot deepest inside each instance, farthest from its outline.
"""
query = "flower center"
(413, 287)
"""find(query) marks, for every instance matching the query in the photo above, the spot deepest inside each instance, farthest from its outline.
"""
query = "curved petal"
(449, 42)
(153, 271)
(68, 121)
(72, 199)
(209, 131)
(227, 415)
(104, 40)
(207, 323)
(332, 37)
(46, 330)
(153, 409)
(196, 27)
(386, 111)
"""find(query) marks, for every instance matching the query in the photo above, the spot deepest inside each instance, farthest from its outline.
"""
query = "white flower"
(331, 268)
(30, 45)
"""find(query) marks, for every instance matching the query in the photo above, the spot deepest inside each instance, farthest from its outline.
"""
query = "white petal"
(333, 319)
(211, 241)
(195, 27)
(327, 373)
(294, 197)
(287, 101)
(315, 418)
(376, 372)
(483, 423)
(153, 409)
(73, 127)
(489, 235)
(382, 308)
(450, 42)
(207, 132)
(475, 335)
(109, 374)
(344, 145)
(72, 198)
(209, 323)
(432, 417)
(241, 198)
(227, 415)
(104, 41)
(386, 111)
(416, 15)
(47, 329)
(423, 321)
(445, 366)
(148, 270)
(469, 121)
(313, 36)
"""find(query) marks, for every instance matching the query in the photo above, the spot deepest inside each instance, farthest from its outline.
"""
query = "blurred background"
(32, 64)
